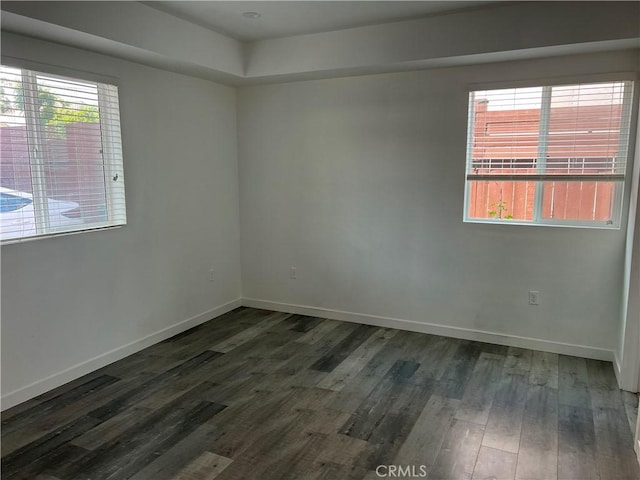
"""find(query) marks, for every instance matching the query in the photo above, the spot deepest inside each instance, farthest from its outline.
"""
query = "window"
(61, 155)
(551, 155)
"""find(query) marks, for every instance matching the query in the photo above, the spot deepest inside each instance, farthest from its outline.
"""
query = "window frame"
(113, 190)
(622, 185)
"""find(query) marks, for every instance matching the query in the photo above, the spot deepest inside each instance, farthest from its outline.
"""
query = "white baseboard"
(626, 380)
(446, 331)
(60, 378)
(617, 368)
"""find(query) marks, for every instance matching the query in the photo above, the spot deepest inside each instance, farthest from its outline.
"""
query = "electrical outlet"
(534, 297)
(212, 275)
(293, 272)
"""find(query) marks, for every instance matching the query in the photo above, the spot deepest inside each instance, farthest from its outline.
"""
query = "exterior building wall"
(73, 164)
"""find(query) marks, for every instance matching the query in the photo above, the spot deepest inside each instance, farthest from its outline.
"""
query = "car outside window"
(62, 167)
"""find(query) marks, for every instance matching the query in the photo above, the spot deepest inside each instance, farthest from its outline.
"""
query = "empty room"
(339, 240)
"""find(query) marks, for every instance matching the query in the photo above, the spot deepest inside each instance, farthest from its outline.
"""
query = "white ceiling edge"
(115, 28)
(17, 24)
(279, 19)
(409, 45)
(457, 61)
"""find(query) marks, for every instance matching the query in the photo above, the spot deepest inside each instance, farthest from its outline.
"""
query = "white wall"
(359, 183)
(67, 300)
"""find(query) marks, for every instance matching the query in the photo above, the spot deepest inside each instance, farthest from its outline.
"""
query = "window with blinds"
(551, 155)
(61, 158)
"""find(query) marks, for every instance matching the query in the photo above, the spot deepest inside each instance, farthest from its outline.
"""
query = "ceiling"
(286, 18)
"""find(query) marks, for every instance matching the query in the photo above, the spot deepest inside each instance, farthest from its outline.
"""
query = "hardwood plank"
(538, 453)
(206, 467)
(544, 369)
(630, 401)
(518, 361)
(271, 446)
(294, 360)
(459, 451)
(249, 333)
(368, 416)
(340, 449)
(495, 464)
(512, 390)
(132, 365)
(340, 352)
(319, 332)
(428, 433)
(162, 440)
(48, 465)
(573, 388)
(603, 386)
(494, 349)
(478, 396)
(112, 428)
(260, 424)
(504, 427)
(601, 375)
(7, 414)
(623, 466)
(144, 390)
(613, 434)
(355, 362)
(334, 471)
(436, 357)
(290, 464)
(393, 429)
(362, 384)
(303, 323)
(56, 403)
(212, 332)
(140, 444)
(576, 444)
(542, 404)
(33, 451)
(180, 456)
(504, 424)
(42, 425)
(459, 370)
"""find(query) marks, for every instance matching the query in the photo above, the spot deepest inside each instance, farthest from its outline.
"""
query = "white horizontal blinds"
(505, 131)
(581, 133)
(18, 218)
(549, 154)
(72, 131)
(586, 134)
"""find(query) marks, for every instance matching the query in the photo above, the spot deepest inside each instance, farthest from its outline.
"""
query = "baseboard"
(617, 368)
(446, 331)
(60, 378)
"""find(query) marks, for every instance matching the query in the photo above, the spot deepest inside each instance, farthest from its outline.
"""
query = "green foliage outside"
(84, 114)
(56, 112)
(499, 211)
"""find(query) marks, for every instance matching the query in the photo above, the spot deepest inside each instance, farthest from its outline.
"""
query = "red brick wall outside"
(72, 163)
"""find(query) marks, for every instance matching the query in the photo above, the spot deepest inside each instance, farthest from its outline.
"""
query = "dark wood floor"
(264, 395)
